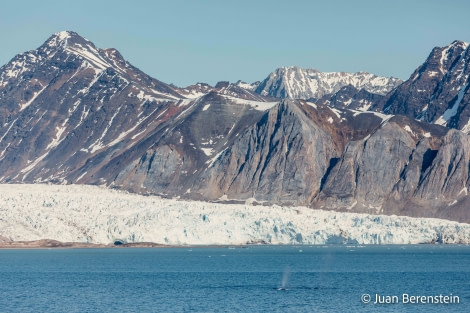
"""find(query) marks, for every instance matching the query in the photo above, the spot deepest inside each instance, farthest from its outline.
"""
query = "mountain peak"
(438, 90)
(460, 43)
(294, 68)
(71, 43)
(63, 37)
(305, 83)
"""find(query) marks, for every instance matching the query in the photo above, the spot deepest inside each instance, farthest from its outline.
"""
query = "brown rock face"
(368, 170)
(282, 158)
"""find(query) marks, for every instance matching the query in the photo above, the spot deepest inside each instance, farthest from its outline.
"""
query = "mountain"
(68, 108)
(71, 113)
(247, 86)
(438, 91)
(298, 83)
(238, 90)
(349, 97)
(67, 101)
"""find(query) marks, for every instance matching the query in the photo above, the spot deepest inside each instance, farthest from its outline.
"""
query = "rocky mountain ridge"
(298, 83)
(71, 113)
(438, 91)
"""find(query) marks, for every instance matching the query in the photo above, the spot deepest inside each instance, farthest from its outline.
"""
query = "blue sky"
(184, 42)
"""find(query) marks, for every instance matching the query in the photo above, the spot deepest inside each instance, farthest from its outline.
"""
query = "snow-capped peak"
(300, 83)
(72, 43)
(247, 86)
(61, 46)
(60, 39)
(460, 43)
(63, 34)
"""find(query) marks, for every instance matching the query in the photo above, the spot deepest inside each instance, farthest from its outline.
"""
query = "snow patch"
(207, 151)
(365, 107)
(81, 176)
(449, 113)
(347, 103)
(257, 105)
(35, 95)
(408, 129)
(464, 190)
(184, 102)
(352, 205)
(466, 128)
(384, 117)
(56, 141)
(93, 81)
(246, 86)
(32, 165)
(336, 111)
(63, 35)
(193, 94)
(443, 58)
(211, 161)
(91, 55)
(312, 104)
(142, 96)
(11, 125)
(98, 144)
(138, 134)
(130, 130)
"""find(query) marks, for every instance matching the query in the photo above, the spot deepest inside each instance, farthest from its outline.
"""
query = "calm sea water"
(314, 279)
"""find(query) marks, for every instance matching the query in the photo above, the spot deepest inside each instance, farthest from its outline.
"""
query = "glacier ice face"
(77, 213)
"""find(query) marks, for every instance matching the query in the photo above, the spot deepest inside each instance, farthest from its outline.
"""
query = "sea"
(330, 278)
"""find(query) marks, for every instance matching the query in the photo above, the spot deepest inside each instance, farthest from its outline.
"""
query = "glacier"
(94, 214)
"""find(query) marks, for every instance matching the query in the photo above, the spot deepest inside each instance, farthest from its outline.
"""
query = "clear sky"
(184, 42)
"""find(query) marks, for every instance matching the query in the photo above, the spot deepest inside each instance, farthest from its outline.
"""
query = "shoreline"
(55, 244)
